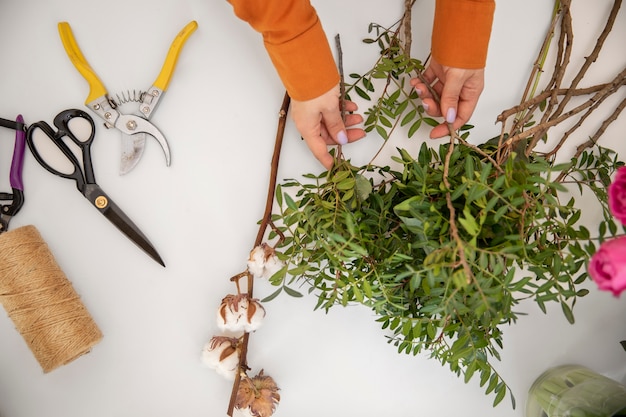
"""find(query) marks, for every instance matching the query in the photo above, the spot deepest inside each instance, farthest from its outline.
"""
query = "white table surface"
(219, 116)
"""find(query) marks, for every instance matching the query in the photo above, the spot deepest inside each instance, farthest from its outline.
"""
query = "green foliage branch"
(444, 244)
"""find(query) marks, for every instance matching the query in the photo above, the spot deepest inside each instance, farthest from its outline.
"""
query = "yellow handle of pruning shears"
(163, 80)
(96, 88)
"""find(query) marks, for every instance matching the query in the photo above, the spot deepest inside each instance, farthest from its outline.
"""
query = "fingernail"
(451, 115)
(425, 106)
(419, 92)
(342, 138)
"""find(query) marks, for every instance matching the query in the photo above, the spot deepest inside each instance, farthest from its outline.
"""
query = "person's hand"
(319, 122)
(458, 89)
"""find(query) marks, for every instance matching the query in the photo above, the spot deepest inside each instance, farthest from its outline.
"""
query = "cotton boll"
(256, 262)
(255, 316)
(232, 311)
(263, 262)
(222, 354)
(272, 266)
(240, 313)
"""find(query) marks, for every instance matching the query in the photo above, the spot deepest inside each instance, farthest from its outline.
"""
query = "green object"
(575, 391)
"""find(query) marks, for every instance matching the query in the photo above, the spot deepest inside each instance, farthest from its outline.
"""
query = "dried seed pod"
(257, 396)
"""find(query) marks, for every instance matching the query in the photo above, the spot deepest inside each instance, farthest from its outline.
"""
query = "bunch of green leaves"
(395, 101)
(444, 245)
(442, 266)
(592, 171)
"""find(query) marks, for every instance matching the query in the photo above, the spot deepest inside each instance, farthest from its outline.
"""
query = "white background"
(219, 116)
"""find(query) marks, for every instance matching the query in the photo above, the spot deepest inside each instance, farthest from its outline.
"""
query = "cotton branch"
(265, 222)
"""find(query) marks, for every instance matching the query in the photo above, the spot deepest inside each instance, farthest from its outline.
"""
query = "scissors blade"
(111, 211)
(132, 149)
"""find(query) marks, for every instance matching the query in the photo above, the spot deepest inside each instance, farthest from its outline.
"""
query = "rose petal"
(607, 266)
(617, 195)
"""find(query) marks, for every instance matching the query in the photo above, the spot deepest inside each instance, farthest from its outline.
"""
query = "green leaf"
(459, 278)
(458, 192)
(484, 376)
(367, 289)
(394, 96)
(469, 168)
(279, 195)
(408, 117)
(430, 122)
(500, 212)
(362, 93)
(469, 371)
(414, 127)
(358, 295)
(500, 393)
(272, 295)
(290, 203)
(368, 84)
(499, 182)
(567, 311)
(292, 292)
(469, 223)
(493, 382)
(346, 184)
(363, 187)
(384, 121)
(382, 132)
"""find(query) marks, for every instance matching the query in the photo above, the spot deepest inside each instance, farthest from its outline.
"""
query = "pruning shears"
(134, 127)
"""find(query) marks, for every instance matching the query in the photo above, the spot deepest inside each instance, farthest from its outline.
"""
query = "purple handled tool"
(16, 198)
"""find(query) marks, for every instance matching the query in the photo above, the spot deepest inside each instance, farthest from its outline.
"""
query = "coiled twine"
(42, 302)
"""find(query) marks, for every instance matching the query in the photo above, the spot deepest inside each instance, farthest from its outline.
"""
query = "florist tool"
(16, 198)
(134, 127)
(82, 171)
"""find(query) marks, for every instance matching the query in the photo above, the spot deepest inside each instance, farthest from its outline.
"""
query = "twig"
(407, 22)
(609, 88)
(567, 31)
(567, 134)
(543, 96)
(594, 54)
(342, 88)
(454, 231)
(533, 79)
(280, 132)
(593, 140)
(535, 75)
(565, 46)
(265, 221)
(342, 85)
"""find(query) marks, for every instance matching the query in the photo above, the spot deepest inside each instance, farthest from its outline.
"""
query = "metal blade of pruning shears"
(134, 145)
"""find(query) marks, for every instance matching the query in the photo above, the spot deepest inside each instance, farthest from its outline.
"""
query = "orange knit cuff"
(461, 32)
(307, 57)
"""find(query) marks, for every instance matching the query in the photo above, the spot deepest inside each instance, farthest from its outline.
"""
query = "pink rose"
(607, 266)
(617, 195)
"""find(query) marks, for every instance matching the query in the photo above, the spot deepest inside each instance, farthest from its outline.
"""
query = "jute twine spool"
(42, 303)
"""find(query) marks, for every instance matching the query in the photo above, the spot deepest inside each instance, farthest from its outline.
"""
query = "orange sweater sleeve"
(296, 43)
(461, 32)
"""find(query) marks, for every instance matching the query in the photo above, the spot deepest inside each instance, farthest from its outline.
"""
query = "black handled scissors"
(16, 198)
(82, 171)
